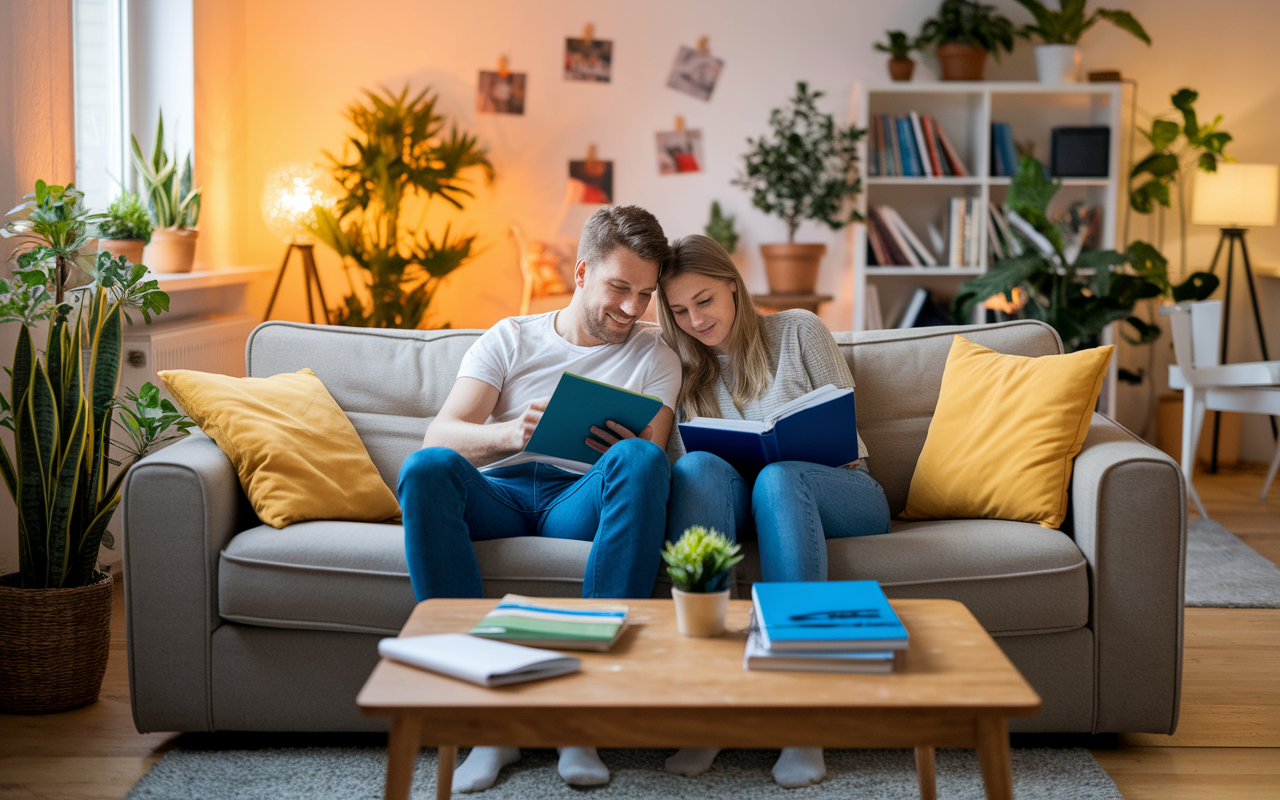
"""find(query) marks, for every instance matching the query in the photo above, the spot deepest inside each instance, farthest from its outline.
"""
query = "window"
(101, 100)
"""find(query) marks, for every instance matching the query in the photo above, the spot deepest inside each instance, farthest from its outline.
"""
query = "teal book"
(546, 623)
(826, 615)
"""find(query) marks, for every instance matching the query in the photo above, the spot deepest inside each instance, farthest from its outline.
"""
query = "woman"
(738, 364)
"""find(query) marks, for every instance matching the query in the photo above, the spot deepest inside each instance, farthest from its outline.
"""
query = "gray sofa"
(233, 625)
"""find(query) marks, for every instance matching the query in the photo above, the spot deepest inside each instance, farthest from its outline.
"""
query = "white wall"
(161, 73)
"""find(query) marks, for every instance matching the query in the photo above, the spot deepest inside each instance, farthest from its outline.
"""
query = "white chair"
(1208, 384)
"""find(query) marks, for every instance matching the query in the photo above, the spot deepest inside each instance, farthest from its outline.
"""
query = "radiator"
(206, 344)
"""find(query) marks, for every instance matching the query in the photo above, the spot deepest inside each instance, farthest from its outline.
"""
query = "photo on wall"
(587, 60)
(498, 94)
(679, 151)
(590, 182)
(695, 73)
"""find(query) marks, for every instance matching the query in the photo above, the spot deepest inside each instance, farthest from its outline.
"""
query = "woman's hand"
(616, 433)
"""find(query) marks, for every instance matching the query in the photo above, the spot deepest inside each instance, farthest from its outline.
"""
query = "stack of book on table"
(831, 626)
(545, 623)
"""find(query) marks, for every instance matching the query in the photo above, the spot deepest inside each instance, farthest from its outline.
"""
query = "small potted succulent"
(125, 228)
(964, 32)
(899, 48)
(1058, 59)
(699, 564)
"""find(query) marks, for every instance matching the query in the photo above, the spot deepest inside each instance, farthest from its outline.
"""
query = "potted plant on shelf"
(899, 48)
(699, 565)
(174, 205)
(964, 32)
(720, 228)
(55, 611)
(807, 169)
(1058, 58)
(125, 228)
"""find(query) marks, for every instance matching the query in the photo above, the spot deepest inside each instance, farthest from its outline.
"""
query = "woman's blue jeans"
(792, 509)
(619, 506)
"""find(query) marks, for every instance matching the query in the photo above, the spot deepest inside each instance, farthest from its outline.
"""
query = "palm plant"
(1069, 23)
(400, 151)
(700, 560)
(170, 197)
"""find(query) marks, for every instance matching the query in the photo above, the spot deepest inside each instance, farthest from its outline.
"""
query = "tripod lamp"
(290, 195)
(1236, 197)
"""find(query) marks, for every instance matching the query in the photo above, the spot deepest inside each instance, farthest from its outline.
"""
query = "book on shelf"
(848, 616)
(545, 623)
(893, 243)
(1004, 154)
(910, 158)
(871, 662)
(479, 661)
(915, 247)
(820, 427)
(913, 145)
(920, 311)
(964, 227)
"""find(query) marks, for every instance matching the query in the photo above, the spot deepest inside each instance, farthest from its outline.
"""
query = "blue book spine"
(997, 153)
(1010, 152)
(907, 146)
(888, 143)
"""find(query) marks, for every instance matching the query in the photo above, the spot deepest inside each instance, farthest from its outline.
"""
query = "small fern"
(700, 561)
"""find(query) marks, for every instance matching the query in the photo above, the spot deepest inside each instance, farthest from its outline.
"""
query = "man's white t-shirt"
(523, 358)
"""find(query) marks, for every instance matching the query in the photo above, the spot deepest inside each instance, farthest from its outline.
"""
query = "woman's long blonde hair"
(748, 348)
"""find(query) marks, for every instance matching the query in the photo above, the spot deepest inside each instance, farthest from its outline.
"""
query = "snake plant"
(170, 196)
(700, 561)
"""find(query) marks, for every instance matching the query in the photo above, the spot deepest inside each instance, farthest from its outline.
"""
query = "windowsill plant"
(125, 228)
(174, 204)
(700, 564)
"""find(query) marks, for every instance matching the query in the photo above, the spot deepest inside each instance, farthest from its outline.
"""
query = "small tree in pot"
(699, 564)
(807, 169)
(964, 32)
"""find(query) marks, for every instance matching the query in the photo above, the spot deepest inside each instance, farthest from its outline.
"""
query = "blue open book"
(820, 427)
(826, 615)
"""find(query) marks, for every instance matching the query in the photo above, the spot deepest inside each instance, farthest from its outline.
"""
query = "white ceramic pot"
(1057, 63)
(171, 250)
(701, 613)
(129, 248)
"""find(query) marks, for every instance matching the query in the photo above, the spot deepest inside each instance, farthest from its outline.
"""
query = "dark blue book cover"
(907, 143)
(826, 615)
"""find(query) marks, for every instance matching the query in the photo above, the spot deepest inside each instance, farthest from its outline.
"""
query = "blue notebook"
(826, 615)
(820, 427)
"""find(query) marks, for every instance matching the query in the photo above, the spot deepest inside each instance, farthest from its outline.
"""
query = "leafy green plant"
(170, 197)
(968, 22)
(126, 218)
(1069, 23)
(61, 402)
(899, 45)
(807, 169)
(400, 150)
(147, 419)
(700, 560)
(720, 228)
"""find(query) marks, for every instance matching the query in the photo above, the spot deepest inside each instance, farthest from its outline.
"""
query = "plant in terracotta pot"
(806, 169)
(125, 228)
(964, 32)
(55, 611)
(899, 48)
(1058, 59)
(699, 564)
(174, 205)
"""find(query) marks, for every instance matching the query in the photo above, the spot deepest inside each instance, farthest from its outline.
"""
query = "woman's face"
(703, 307)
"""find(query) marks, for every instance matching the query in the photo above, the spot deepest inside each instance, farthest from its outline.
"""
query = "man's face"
(615, 293)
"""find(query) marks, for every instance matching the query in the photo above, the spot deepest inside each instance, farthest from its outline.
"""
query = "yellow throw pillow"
(1004, 435)
(297, 454)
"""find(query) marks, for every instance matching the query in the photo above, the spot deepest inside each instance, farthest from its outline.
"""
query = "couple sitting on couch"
(728, 362)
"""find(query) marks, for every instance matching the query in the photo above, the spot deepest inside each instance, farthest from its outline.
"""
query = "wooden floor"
(1227, 744)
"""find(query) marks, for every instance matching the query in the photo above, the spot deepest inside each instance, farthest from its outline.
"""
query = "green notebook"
(577, 404)
(562, 626)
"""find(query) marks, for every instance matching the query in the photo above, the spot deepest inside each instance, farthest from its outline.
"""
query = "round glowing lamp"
(291, 193)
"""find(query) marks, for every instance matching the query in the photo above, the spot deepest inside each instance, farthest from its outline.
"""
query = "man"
(503, 386)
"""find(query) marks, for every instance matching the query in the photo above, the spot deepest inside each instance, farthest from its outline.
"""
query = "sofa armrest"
(1129, 518)
(181, 505)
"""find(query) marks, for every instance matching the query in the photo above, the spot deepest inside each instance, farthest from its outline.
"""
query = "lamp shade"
(290, 195)
(1237, 196)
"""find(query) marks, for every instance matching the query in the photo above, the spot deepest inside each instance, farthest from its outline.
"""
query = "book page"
(746, 425)
(817, 397)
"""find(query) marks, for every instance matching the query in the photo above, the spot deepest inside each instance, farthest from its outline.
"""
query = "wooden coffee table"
(954, 687)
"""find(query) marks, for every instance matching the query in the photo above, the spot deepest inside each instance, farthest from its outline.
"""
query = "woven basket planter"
(53, 646)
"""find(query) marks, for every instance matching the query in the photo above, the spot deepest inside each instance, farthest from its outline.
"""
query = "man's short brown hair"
(623, 226)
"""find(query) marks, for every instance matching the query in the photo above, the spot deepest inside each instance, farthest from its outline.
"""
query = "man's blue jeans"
(792, 509)
(620, 506)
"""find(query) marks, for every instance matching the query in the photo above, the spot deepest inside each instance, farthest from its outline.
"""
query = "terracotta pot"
(792, 268)
(171, 250)
(962, 62)
(53, 646)
(1057, 63)
(701, 614)
(900, 69)
(129, 248)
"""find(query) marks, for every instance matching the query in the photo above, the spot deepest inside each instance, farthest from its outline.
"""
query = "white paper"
(481, 661)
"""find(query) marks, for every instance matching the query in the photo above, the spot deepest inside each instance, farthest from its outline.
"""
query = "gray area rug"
(1224, 572)
(352, 773)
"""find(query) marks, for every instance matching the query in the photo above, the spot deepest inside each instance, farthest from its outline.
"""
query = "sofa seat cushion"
(1016, 577)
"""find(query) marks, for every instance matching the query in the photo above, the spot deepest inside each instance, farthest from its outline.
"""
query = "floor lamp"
(1236, 197)
(290, 196)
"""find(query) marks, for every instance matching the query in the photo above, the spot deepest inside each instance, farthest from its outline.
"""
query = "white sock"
(481, 767)
(799, 766)
(581, 766)
(690, 761)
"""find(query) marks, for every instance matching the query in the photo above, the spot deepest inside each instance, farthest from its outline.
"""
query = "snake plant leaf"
(24, 356)
(37, 435)
(64, 489)
(92, 540)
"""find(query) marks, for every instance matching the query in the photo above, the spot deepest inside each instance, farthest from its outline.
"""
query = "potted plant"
(1058, 58)
(720, 228)
(174, 205)
(55, 611)
(964, 32)
(699, 565)
(899, 48)
(807, 169)
(125, 228)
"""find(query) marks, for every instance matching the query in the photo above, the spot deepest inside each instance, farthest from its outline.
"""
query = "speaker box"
(1080, 152)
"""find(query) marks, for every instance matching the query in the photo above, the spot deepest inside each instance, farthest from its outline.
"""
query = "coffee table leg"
(993, 755)
(925, 773)
(445, 759)
(402, 754)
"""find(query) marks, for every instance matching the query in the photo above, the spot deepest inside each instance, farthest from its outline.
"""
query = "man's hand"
(523, 425)
(612, 436)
